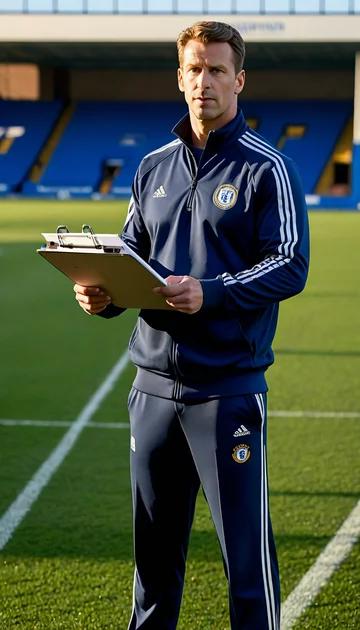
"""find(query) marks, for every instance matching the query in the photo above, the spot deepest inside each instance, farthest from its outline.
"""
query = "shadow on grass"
(300, 542)
(108, 544)
(316, 493)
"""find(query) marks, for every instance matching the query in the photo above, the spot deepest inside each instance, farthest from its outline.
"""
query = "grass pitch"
(69, 564)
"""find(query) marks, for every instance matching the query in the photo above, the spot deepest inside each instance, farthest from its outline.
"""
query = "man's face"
(209, 82)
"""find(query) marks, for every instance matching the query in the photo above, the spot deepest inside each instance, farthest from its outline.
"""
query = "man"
(229, 231)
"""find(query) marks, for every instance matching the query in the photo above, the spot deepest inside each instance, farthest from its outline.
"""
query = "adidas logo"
(159, 192)
(242, 430)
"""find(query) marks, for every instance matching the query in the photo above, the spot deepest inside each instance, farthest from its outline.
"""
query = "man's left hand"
(183, 293)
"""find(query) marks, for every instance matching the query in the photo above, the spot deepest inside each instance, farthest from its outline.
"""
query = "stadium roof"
(163, 56)
(140, 42)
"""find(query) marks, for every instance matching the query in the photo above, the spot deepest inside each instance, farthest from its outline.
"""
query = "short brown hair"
(207, 32)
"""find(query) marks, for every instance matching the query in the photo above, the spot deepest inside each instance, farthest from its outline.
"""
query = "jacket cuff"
(111, 311)
(213, 292)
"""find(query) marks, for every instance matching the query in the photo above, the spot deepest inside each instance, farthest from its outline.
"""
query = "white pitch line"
(22, 504)
(314, 414)
(321, 571)
(61, 423)
(109, 425)
(311, 583)
(8, 422)
(119, 425)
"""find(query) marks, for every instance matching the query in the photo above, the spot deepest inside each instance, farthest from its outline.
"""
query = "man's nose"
(204, 79)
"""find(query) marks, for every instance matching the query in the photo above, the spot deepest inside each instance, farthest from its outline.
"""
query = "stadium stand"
(104, 142)
(99, 82)
(24, 127)
(323, 123)
(102, 132)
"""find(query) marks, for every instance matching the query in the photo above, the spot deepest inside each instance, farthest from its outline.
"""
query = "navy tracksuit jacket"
(237, 221)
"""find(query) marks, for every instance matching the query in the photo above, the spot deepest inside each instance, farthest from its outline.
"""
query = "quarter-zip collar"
(233, 129)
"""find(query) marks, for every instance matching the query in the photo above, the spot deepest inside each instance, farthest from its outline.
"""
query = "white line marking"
(321, 571)
(311, 583)
(61, 423)
(123, 425)
(22, 504)
(314, 414)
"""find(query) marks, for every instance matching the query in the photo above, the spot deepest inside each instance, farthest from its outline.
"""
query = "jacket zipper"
(194, 182)
(177, 384)
(190, 198)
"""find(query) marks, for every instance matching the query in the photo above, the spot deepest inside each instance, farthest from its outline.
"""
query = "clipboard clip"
(62, 229)
(81, 240)
(87, 229)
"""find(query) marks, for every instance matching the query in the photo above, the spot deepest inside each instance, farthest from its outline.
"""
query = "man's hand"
(183, 293)
(92, 300)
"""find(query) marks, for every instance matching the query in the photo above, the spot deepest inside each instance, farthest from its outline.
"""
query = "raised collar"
(232, 130)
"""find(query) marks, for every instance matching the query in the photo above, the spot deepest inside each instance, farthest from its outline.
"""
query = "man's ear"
(240, 82)
(180, 80)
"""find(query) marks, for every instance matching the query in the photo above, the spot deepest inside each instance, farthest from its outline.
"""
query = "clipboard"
(106, 261)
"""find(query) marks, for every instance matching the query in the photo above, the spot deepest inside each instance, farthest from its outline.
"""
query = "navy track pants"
(175, 447)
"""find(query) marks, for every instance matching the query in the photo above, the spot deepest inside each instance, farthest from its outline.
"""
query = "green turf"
(317, 345)
(337, 605)
(24, 221)
(42, 326)
(22, 452)
(69, 564)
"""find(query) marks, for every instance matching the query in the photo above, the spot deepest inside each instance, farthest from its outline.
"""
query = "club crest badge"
(225, 196)
(241, 453)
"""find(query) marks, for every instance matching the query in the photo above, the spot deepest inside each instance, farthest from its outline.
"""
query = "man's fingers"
(79, 288)
(169, 291)
(179, 300)
(91, 308)
(174, 279)
(172, 286)
(183, 293)
(93, 299)
(172, 289)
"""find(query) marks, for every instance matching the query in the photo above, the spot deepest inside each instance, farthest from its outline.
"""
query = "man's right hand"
(92, 300)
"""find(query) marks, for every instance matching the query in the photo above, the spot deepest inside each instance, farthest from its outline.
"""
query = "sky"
(183, 6)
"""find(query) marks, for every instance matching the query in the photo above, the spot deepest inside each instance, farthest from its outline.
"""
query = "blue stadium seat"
(324, 122)
(99, 131)
(36, 118)
(126, 131)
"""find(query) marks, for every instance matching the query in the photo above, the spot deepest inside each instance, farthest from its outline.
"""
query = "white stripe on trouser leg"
(259, 402)
(263, 565)
(265, 553)
(266, 523)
